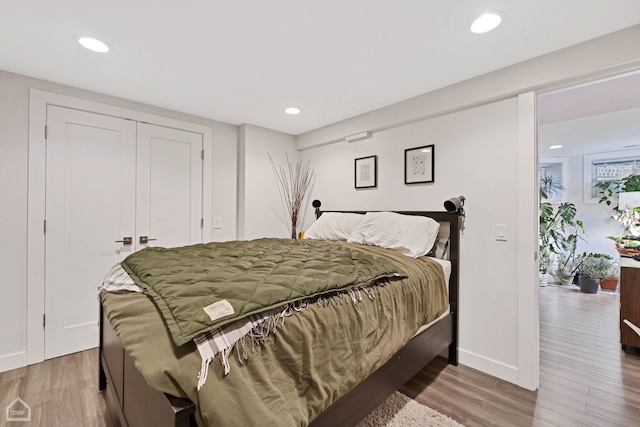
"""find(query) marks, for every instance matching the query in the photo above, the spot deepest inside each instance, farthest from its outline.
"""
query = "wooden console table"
(629, 301)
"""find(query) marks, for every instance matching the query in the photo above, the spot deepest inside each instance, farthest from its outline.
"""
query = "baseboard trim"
(13, 361)
(489, 366)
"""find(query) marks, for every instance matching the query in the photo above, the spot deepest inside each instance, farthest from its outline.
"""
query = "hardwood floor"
(585, 378)
(61, 392)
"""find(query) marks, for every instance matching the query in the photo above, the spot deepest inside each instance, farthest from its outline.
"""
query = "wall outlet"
(217, 222)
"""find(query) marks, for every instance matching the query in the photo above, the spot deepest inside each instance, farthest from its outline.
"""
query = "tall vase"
(294, 235)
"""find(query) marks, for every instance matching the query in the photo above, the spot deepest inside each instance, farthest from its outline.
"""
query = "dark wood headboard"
(454, 220)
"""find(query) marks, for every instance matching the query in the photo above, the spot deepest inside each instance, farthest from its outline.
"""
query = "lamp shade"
(316, 204)
(454, 204)
(628, 200)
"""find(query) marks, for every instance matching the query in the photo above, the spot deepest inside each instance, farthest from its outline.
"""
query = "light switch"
(501, 232)
(217, 222)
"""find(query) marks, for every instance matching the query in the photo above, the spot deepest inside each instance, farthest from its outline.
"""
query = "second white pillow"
(416, 234)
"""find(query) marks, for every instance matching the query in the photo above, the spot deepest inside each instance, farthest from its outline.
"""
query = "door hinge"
(44, 226)
(202, 154)
(44, 320)
(45, 131)
(201, 222)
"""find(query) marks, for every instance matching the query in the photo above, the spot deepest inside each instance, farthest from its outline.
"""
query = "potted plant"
(294, 182)
(610, 282)
(544, 263)
(559, 232)
(567, 262)
(630, 218)
(609, 190)
(626, 246)
(593, 267)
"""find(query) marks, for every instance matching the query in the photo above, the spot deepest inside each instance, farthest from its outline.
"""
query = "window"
(609, 166)
(554, 167)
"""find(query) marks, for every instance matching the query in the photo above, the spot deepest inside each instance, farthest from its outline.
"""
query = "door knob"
(145, 239)
(125, 241)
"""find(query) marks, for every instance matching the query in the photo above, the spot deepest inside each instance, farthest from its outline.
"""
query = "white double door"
(110, 183)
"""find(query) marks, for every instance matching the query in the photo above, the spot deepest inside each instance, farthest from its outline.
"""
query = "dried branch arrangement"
(294, 182)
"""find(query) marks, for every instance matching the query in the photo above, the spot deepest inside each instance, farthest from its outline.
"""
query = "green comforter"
(317, 356)
(201, 287)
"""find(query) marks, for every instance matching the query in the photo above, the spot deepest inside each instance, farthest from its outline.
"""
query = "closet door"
(169, 186)
(90, 204)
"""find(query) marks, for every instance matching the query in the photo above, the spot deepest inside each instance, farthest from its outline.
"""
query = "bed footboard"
(135, 403)
(128, 396)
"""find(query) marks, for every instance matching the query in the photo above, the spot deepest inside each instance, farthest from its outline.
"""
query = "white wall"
(13, 222)
(475, 152)
(489, 341)
(498, 181)
(608, 54)
(14, 114)
(596, 218)
(260, 208)
(225, 187)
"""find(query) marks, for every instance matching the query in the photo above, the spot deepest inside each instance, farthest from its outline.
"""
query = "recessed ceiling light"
(554, 147)
(292, 110)
(93, 44)
(485, 23)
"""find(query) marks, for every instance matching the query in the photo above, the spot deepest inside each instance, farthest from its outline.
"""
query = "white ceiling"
(245, 61)
(592, 118)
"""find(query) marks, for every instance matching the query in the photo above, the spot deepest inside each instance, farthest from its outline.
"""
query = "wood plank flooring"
(585, 378)
(61, 392)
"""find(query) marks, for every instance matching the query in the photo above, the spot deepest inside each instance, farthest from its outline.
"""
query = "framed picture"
(418, 165)
(366, 172)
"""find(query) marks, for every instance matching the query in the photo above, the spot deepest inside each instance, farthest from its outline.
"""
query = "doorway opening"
(588, 148)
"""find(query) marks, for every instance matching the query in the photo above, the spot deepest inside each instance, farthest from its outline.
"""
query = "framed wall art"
(366, 171)
(418, 165)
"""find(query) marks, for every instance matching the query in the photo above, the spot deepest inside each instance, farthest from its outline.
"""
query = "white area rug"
(402, 411)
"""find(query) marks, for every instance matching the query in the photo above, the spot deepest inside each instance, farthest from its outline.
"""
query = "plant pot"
(609, 283)
(563, 277)
(589, 286)
(543, 278)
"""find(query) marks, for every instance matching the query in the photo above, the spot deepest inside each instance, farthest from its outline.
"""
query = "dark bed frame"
(136, 404)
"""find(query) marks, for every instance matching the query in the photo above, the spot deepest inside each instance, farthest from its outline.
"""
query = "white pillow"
(416, 234)
(334, 226)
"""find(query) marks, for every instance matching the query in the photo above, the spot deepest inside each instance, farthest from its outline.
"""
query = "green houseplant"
(610, 189)
(628, 216)
(610, 281)
(593, 267)
(544, 263)
(567, 261)
(559, 232)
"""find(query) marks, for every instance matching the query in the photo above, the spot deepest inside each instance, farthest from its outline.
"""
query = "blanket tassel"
(204, 371)
(242, 351)
(261, 331)
(224, 360)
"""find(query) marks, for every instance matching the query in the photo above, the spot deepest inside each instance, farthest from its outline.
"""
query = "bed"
(136, 403)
